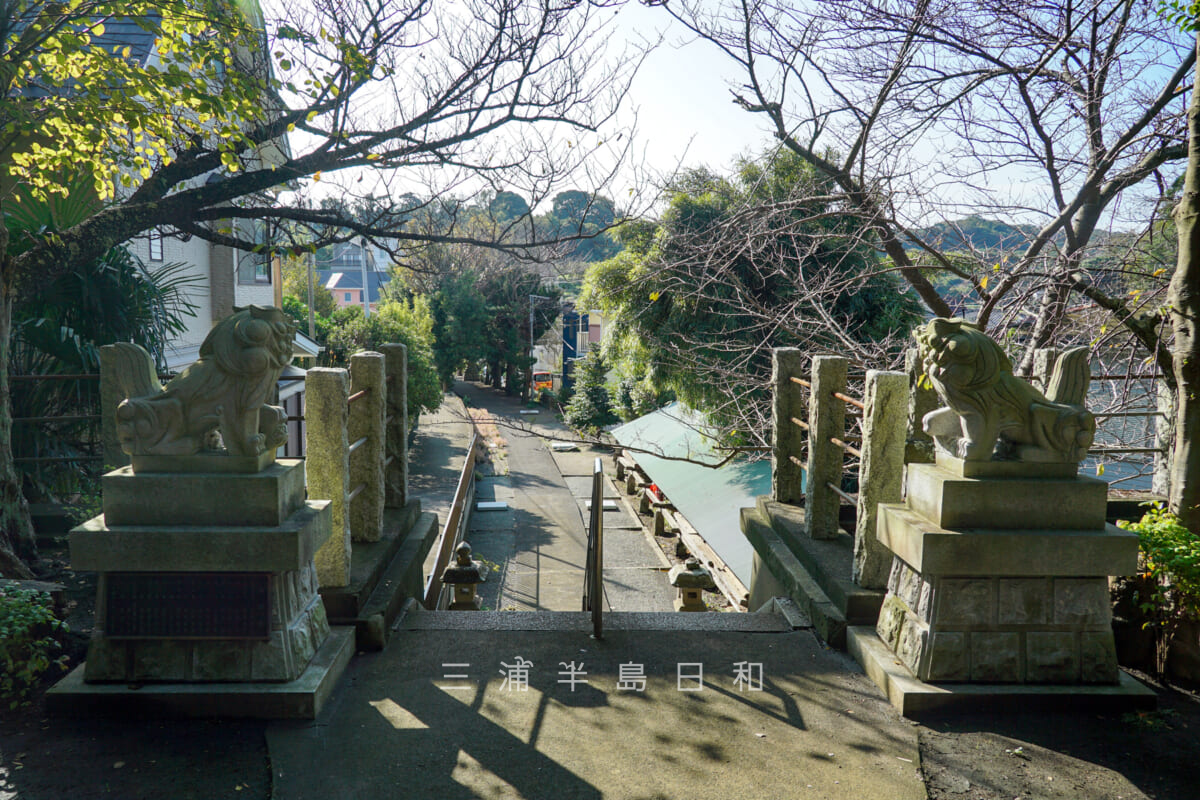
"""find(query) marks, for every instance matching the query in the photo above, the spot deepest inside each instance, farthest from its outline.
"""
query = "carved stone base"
(192, 591)
(999, 630)
(1000, 603)
(297, 628)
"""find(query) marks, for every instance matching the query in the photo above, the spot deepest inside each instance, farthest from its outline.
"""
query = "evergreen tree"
(590, 407)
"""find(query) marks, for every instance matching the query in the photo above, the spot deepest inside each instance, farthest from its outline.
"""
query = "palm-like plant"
(60, 331)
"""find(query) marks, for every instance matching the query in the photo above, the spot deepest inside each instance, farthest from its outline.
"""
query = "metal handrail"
(450, 535)
(593, 573)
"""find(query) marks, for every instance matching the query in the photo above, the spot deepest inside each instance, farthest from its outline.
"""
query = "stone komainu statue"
(992, 414)
(227, 388)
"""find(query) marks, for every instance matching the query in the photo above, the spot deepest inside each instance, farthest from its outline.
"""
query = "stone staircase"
(383, 575)
(815, 573)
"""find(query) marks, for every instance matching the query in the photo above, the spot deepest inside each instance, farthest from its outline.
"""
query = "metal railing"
(593, 573)
(454, 530)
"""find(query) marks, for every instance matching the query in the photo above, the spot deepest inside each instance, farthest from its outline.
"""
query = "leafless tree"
(933, 109)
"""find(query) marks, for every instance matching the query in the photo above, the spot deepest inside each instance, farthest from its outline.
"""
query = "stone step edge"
(828, 621)
(418, 619)
(914, 698)
(402, 582)
(858, 605)
(302, 698)
(345, 602)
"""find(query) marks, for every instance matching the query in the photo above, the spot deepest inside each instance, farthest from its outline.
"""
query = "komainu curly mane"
(992, 414)
(240, 362)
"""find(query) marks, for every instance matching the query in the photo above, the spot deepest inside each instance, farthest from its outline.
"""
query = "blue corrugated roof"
(710, 499)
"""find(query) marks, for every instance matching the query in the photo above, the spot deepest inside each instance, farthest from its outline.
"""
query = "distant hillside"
(977, 233)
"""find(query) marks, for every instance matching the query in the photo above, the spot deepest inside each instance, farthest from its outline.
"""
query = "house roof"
(710, 499)
(348, 256)
(352, 281)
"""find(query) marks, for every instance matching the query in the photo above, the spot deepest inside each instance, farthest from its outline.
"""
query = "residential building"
(342, 269)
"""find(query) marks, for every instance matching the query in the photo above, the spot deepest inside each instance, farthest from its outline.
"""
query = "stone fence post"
(1044, 360)
(395, 465)
(885, 427)
(826, 420)
(787, 475)
(365, 433)
(921, 400)
(327, 465)
(114, 359)
(1164, 438)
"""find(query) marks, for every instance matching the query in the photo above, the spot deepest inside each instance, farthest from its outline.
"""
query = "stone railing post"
(885, 426)
(365, 433)
(787, 475)
(1164, 438)
(1044, 359)
(114, 358)
(921, 400)
(826, 420)
(327, 465)
(395, 467)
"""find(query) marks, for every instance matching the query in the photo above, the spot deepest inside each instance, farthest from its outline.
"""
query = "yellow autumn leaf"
(1099, 469)
(653, 296)
(317, 175)
(983, 282)
(996, 268)
(1158, 272)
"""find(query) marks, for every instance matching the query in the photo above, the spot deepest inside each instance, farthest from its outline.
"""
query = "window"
(347, 297)
(255, 267)
(156, 245)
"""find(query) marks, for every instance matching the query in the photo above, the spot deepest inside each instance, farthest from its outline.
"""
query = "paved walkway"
(538, 547)
(403, 725)
(436, 455)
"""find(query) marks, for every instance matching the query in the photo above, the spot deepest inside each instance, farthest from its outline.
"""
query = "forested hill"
(975, 232)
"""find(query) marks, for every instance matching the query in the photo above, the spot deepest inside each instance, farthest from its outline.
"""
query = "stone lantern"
(464, 574)
(691, 579)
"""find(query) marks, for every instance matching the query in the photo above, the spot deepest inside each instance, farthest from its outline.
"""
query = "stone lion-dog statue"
(991, 414)
(226, 389)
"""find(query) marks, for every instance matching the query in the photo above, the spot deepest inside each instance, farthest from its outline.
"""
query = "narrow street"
(537, 547)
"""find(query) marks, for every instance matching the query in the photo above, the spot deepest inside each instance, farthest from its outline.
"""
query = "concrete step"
(828, 620)
(404, 580)
(828, 561)
(382, 575)
(418, 619)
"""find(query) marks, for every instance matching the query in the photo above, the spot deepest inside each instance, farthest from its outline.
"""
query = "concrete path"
(404, 724)
(538, 547)
(436, 455)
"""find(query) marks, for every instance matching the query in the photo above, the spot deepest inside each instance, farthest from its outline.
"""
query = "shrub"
(27, 642)
(1168, 589)
(590, 408)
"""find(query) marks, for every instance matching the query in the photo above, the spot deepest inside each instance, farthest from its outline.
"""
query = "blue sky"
(683, 98)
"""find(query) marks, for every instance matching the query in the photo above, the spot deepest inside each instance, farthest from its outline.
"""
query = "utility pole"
(312, 323)
(532, 360)
(362, 244)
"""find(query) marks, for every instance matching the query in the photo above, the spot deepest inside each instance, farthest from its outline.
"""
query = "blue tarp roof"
(710, 499)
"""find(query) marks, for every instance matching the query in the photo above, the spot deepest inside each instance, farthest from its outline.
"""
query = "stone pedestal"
(1000, 574)
(208, 577)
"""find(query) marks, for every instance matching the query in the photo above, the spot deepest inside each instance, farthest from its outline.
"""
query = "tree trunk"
(1183, 299)
(18, 547)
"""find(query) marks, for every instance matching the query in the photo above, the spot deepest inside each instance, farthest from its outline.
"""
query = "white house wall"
(194, 253)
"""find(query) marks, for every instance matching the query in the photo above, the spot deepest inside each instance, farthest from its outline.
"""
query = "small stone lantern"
(691, 578)
(464, 574)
